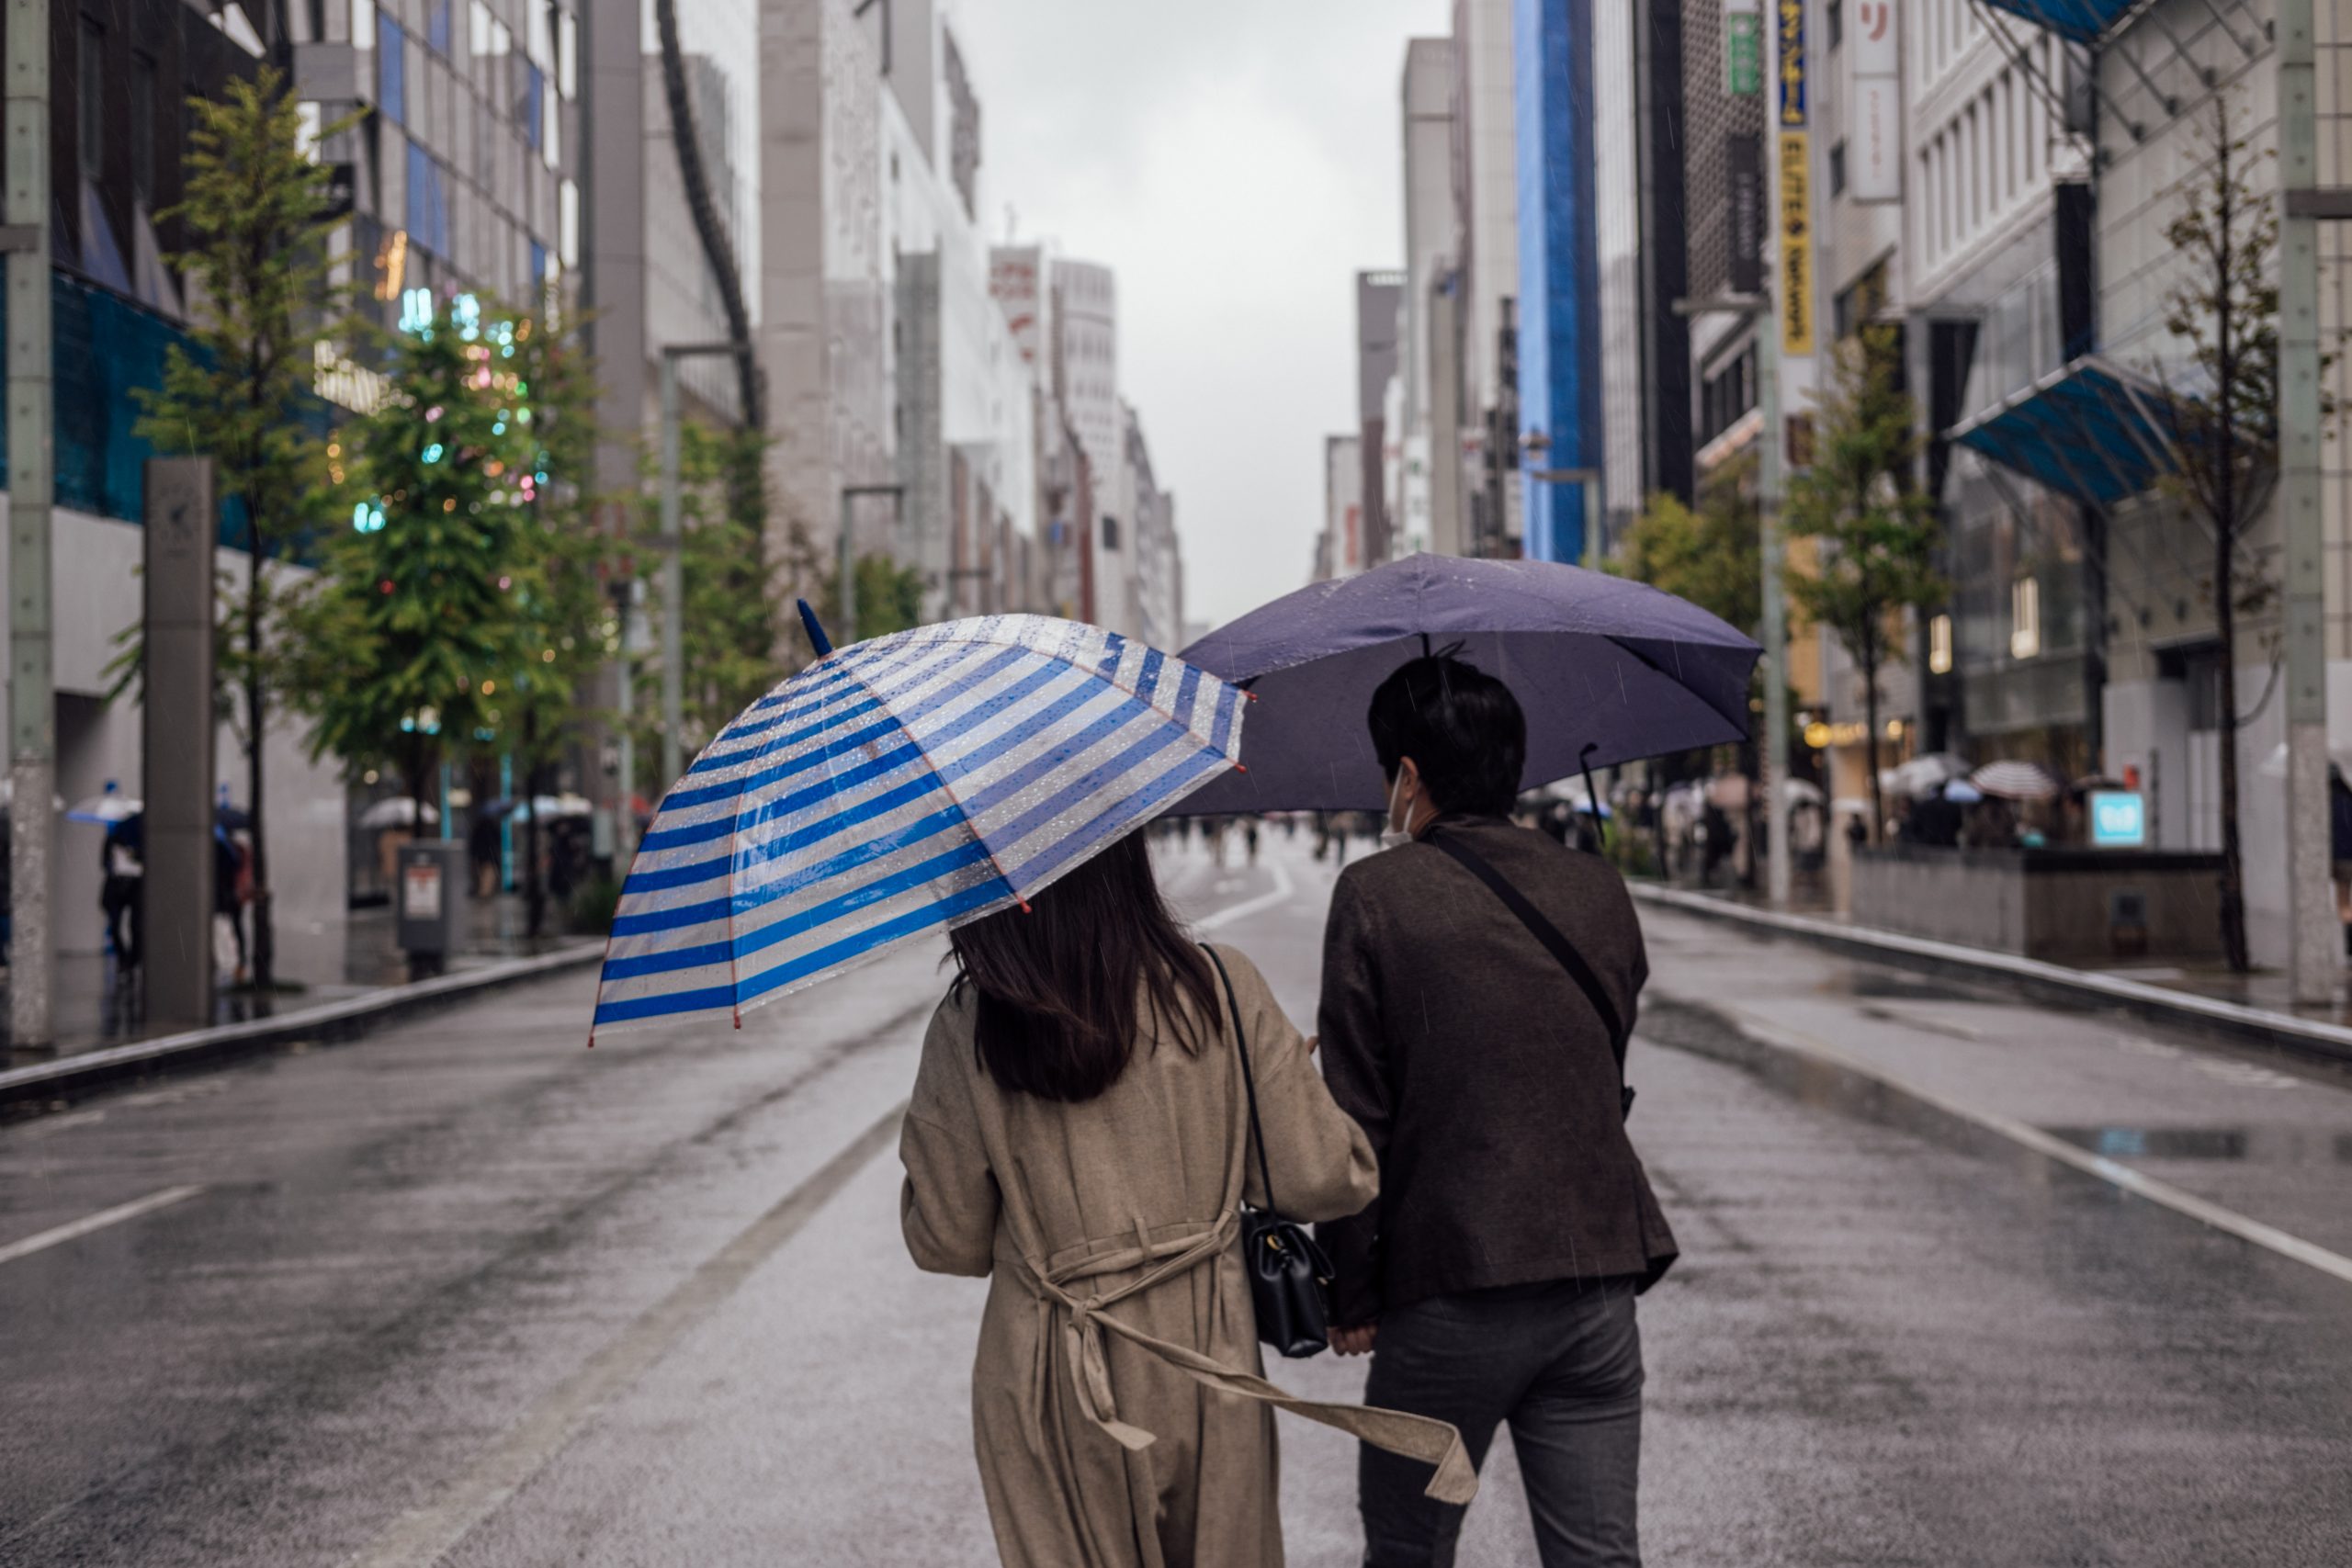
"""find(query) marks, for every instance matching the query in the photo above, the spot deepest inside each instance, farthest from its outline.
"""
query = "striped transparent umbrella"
(2013, 780)
(896, 788)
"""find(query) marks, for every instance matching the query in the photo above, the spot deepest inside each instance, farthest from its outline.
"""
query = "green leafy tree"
(1877, 534)
(730, 635)
(563, 632)
(889, 596)
(254, 254)
(417, 610)
(1712, 556)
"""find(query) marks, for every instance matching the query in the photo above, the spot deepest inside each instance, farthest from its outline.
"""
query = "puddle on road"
(2164, 1142)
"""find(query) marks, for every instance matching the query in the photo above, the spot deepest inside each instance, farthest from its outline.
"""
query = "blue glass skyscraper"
(1559, 270)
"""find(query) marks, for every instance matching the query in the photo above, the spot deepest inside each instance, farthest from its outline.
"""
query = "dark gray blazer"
(1482, 1073)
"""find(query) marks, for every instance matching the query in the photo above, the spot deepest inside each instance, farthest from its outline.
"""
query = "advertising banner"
(1874, 140)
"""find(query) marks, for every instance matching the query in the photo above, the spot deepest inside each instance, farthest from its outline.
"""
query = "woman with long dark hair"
(1078, 1132)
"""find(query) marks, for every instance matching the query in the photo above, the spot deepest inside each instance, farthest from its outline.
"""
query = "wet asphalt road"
(468, 1292)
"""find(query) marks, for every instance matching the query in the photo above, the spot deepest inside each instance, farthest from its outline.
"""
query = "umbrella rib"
(1654, 665)
(945, 787)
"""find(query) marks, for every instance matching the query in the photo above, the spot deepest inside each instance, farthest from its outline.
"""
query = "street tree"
(2223, 436)
(415, 613)
(563, 633)
(1876, 533)
(1712, 556)
(254, 224)
(889, 596)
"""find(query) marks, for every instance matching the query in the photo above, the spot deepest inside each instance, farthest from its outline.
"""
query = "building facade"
(1561, 428)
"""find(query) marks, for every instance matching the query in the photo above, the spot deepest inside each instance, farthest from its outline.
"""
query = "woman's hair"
(1462, 727)
(1059, 985)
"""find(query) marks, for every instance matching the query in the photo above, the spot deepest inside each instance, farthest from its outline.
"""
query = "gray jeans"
(1560, 1361)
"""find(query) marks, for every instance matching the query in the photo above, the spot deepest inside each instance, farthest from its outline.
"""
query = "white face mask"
(1391, 835)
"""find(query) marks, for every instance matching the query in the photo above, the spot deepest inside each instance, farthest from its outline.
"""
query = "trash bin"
(431, 897)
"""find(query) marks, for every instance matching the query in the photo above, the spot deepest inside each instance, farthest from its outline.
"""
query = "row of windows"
(536, 110)
(1990, 153)
(90, 99)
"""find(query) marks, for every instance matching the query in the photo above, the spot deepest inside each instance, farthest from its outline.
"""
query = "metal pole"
(674, 584)
(1593, 522)
(845, 569)
(1775, 663)
(625, 712)
(32, 732)
(2315, 944)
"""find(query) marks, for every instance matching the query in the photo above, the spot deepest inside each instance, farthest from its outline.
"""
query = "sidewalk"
(2260, 1004)
(357, 957)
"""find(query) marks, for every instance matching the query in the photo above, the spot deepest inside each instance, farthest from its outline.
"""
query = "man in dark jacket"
(1494, 1281)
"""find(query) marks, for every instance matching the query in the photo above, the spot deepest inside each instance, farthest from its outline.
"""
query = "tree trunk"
(265, 935)
(1870, 739)
(2233, 947)
(2225, 532)
(534, 893)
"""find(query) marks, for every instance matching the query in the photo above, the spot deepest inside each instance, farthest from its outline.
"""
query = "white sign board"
(1874, 132)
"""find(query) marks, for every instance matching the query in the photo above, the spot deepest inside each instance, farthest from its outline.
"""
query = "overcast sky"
(1236, 162)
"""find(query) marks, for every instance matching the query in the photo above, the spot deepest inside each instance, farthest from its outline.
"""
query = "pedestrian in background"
(123, 856)
(1077, 1133)
(1494, 1281)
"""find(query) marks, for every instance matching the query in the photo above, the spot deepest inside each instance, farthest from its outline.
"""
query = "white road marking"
(97, 1222)
(424, 1535)
(1283, 890)
(2269, 1237)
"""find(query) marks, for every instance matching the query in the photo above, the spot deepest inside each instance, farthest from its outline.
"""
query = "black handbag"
(1290, 1278)
(1567, 957)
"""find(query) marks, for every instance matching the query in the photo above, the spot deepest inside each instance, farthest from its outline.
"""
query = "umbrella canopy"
(398, 811)
(896, 788)
(1729, 792)
(108, 807)
(1960, 792)
(1803, 792)
(1607, 669)
(1925, 775)
(546, 808)
(2018, 780)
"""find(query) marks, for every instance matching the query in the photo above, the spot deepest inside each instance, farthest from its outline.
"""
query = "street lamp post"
(1758, 308)
(673, 570)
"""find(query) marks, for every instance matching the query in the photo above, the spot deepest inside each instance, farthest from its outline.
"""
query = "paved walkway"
(96, 1005)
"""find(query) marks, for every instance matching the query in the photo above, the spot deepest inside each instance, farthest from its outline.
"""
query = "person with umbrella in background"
(1479, 980)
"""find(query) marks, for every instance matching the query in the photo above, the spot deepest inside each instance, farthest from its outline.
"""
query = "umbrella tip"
(817, 637)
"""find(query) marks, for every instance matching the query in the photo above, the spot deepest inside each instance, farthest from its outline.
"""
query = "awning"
(2093, 431)
(2084, 21)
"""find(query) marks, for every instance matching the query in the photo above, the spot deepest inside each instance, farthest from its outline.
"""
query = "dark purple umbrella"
(1607, 671)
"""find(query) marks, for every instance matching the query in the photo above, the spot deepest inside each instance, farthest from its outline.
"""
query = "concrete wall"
(97, 587)
(2052, 905)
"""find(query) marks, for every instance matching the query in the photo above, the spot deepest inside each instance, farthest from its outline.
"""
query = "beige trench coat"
(1117, 1409)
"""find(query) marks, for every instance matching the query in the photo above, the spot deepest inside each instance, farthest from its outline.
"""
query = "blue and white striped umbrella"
(896, 788)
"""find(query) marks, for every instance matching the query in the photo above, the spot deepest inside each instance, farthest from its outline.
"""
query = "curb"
(2030, 976)
(23, 1087)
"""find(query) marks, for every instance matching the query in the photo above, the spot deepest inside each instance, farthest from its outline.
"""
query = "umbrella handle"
(1600, 823)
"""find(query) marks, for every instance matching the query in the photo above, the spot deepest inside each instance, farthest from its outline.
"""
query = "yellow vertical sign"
(1795, 207)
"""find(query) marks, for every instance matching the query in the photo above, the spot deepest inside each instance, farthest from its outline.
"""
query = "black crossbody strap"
(1248, 1083)
(1545, 932)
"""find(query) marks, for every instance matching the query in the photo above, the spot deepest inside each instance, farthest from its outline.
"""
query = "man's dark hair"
(1462, 727)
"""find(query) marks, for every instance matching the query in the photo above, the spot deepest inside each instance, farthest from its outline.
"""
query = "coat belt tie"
(1431, 1441)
